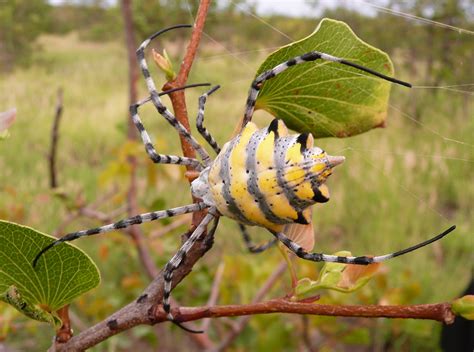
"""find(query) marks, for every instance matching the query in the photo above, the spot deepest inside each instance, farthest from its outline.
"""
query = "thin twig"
(53, 178)
(243, 321)
(132, 204)
(177, 99)
(213, 297)
(183, 220)
(76, 321)
(65, 332)
(439, 312)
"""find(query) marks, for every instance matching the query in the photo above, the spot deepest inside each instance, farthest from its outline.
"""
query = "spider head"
(200, 187)
(321, 168)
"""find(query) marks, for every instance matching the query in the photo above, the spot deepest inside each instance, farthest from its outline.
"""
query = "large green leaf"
(62, 275)
(326, 98)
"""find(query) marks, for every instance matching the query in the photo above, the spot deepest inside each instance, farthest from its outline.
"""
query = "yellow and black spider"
(262, 177)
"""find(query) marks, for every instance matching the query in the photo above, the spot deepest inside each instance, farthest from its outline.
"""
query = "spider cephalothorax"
(267, 177)
(263, 177)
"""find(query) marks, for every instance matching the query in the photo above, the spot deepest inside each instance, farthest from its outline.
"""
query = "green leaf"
(14, 298)
(60, 276)
(339, 277)
(327, 98)
(464, 307)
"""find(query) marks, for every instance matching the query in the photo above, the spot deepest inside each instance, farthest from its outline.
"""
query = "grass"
(399, 185)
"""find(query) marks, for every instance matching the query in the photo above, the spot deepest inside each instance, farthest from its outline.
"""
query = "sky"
(302, 8)
(295, 8)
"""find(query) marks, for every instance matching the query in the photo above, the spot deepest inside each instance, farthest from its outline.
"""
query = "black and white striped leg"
(162, 109)
(253, 248)
(311, 56)
(178, 258)
(150, 149)
(363, 260)
(200, 120)
(137, 219)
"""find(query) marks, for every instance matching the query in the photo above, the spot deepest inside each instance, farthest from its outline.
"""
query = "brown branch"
(53, 179)
(65, 332)
(135, 313)
(439, 311)
(138, 313)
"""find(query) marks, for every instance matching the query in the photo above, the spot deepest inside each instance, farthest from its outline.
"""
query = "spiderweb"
(411, 174)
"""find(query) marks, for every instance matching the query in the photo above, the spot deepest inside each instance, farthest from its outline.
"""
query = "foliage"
(338, 277)
(464, 307)
(55, 282)
(431, 53)
(19, 292)
(390, 192)
(21, 22)
(327, 98)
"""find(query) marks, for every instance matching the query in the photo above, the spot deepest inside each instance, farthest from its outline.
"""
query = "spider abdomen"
(269, 178)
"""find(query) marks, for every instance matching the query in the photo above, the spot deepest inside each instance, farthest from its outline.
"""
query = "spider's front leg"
(160, 107)
(124, 223)
(200, 120)
(310, 56)
(149, 147)
(179, 257)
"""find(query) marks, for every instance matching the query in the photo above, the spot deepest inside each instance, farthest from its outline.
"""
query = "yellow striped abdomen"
(268, 178)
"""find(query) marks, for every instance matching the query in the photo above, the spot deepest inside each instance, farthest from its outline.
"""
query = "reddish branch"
(138, 313)
(177, 98)
(439, 311)
(65, 332)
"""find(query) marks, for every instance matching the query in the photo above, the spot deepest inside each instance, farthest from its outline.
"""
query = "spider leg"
(200, 119)
(155, 98)
(363, 260)
(150, 149)
(253, 248)
(311, 56)
(179, 257)
(137, 219)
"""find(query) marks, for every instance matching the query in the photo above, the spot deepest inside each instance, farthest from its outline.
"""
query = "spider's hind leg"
(253, 248)
(362, 260)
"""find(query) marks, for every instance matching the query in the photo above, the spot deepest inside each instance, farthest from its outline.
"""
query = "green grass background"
(398, 186)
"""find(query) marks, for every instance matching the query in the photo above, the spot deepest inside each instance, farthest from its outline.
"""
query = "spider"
(262, 177)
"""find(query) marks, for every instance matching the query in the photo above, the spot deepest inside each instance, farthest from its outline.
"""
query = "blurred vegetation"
(21, 22)
(398, 186)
